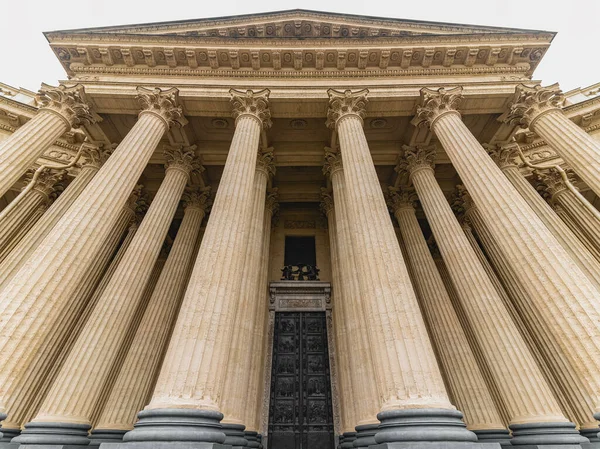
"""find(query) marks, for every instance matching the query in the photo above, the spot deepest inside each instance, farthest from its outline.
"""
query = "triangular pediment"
(297, 23)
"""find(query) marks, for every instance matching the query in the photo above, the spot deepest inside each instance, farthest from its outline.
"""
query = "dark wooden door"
(300, 414)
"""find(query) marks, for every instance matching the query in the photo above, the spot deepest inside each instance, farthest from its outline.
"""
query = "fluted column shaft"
(62, 109)
(466, 381)
(343, 351)
(580, 255)
(138, 373)
(205, 325)
(23, 230)
(524, 389)
(564, 300)
(406, 370)
(235, 393)
(588, 223)
(19, 255)
(259, 348)
(74, 393)
(40, 293)
(34, 381)
(361, 364)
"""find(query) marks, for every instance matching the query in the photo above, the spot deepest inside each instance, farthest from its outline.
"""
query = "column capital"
(94, 156)
(462, 203)
(138, 203)
(531, 102)
(46, 180)
(503, 156)
(343, 104)
(183, 159)
(271, 203)
(163, 104)
(333, 162)
(437, 102)
(252, 103)
(553, 182)
(401, 199)
(196, 197)
(69, 103)
(416, 158)
(326, 204)
(266, 162)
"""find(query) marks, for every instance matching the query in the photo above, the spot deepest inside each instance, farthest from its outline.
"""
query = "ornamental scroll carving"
(530, 102)
(182, 158)
(435, 103)
(255, 104)
(197, 197)
(401, 199)
(163, 103)
(69, 103)
(416, 158)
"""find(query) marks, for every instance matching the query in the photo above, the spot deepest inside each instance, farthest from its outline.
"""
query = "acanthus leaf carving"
(69, 103)
(197, 197)
(163, 103)
(343, 104)
(531, 102)
(253, 103)
(182, 158)
(435, 103)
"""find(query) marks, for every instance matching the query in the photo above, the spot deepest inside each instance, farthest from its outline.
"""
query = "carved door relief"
(300, 414)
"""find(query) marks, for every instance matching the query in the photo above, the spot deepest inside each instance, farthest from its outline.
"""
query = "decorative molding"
(299, 224)
(300, 296)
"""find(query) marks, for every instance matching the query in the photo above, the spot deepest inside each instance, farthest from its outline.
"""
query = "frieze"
(300, 296)
(299, 224)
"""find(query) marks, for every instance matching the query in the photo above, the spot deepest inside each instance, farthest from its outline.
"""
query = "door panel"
(300, 415)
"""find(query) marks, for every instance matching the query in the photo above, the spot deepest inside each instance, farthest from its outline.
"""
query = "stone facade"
(124, 320)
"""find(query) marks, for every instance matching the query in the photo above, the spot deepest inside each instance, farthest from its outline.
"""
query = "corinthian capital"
(530, 102)
(503, 156)
(94, 156)
(266, 162)
(326, 201)
(271, 203)
(343, 104)
(46, 180)
(182, 158)
(254, 104)
(401, 199)
(138, 203)
(162, 103)
(552, 182)
(333, 162)
(416, 158)
(462, 203)
(196, 197)
(67, 102)
(435, 103)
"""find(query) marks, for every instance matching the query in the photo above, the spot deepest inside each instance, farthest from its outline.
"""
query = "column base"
(235, 435)
(99, 436)
(348, 440)
(167, 428)
(365, 435)
(590, 434)
(501, 436)
(53, 435)
(252, 439)
(423, 425)
(340, 439)
(557, 435)
(7, 434)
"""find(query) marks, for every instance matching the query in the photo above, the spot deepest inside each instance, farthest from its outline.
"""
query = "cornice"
(32, 110)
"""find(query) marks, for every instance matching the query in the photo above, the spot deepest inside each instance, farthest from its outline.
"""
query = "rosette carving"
(416, 158)
(197, 197)
(163, 103)
(69, 103)
(182, 158)
(342, 104)
(435, 103)
(530, 102)
(255, 104)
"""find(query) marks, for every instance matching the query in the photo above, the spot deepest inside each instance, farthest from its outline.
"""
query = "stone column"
(25, 228)
(538, 108)
(260, 348)
(566, 218)
(343, 352)
(16, 214)
(133, 386)
(569, 394)
(62, 108)
(65, 414)
(505, 159)
(33, 382)
(409, 384)
(466, 382)
(185, 403)
(93, 158)
(566, 303)
(584, 218)
(234, 401)
(364, 392)
(521, 383)
(39, 294)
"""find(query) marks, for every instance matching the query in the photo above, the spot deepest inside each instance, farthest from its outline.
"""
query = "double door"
(300, 413)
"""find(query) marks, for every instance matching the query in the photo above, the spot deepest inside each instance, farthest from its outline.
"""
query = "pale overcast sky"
(572, 60)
